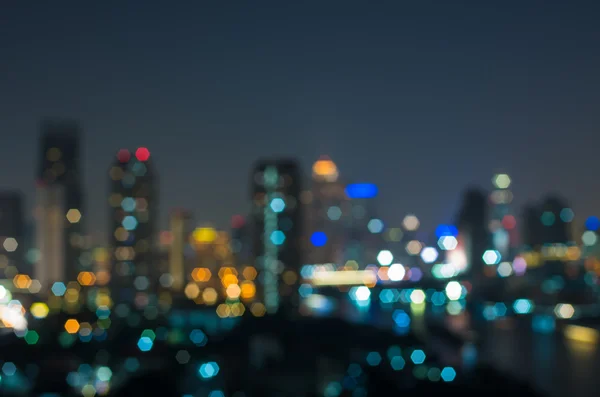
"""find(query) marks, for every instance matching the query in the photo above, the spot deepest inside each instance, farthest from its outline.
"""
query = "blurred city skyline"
(429, 122)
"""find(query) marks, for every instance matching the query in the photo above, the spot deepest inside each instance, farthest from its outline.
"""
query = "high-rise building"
(180, 234)
(241, 242)
(326, 213)
(59, 202)
(473, 235)
(277, 230)
(547, 223)
(502, 223)
(133, 230)
(362, 244)
(12, 233)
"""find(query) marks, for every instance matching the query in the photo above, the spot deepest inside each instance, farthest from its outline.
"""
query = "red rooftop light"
(123, 155)
(142, 154)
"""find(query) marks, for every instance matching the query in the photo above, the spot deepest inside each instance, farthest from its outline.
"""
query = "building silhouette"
(277, 230)
(327, 211)
(59, 203)
(241, 241)
(544, 223)
(12, 234)
(180, 228)
(133, 229)
(361, 244)
(502, 223)
(474, 236)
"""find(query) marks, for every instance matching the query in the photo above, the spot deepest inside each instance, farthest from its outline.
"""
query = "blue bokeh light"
(361, 190)
(318, 239)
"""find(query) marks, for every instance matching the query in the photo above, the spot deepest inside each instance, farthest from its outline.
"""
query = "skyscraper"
(277, 226)
(362, 244)
(502, 224)
(12, 233)
(133, 230)
(473, 237)
(180, 235)
(327, 210)
(59, 199)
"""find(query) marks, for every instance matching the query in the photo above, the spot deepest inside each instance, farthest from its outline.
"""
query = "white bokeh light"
(385, 257)
(429, 254)
(396, 272)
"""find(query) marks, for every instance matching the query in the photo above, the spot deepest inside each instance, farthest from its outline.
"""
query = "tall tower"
(134, 217)
(277, 223)
(362, 245)
(473, 234)
(326, 214)
(502, 223)
(59, 203)
(12, 233)
(180, 234)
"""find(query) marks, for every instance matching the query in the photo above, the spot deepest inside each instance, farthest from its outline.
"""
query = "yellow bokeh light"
(201, 274)
(72, 326)
(258, 309)
(229, 279)
(233, 291)
(73, 215)
(223, 310)
(249, 273)
(237, 309)
(210, 296)
(325, 169)
(227, 270)
(191, 291)
(22, 281)
(86, 278)
(248, 290)
(204, 235)
(39, 310)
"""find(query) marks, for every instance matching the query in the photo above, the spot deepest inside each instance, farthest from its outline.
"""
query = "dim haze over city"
(400, 95)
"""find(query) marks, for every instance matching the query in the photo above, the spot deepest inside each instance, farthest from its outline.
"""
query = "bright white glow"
(396, 272)
(491, 257)
(417, 296)
(362, 293)
(564, 310)
(453, 290)
(12, 317)
(3, 292)
(344, 277)
(429, 254)
(385, 258)
(458, 259)
(447, 243)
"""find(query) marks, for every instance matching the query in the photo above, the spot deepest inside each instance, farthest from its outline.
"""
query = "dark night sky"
(420, 99)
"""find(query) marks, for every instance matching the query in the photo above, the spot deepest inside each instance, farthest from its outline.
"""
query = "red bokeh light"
(509, 222)
(142, 154)
(123, 155)
(237, 221)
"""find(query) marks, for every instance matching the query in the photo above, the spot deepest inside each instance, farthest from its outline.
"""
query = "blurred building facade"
(180, 232)
(277, 230)
(133, 229)
(59, 202)
(473, 235)
(12, 233)
(327, 210)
